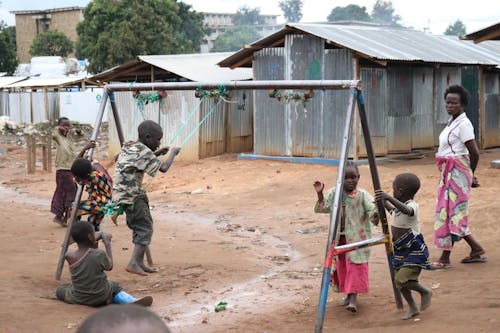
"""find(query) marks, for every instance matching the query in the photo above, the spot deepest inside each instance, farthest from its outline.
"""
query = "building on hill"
(220, 22)
(30, 23)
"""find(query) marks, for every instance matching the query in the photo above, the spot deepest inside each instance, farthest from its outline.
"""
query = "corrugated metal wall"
(4, 103)
(179, 117)
(213, 129)
(470, 81)
(175, 110)
(375, 92)
(241, 121)
(26, 107)
(445, 77)
(304, 61)
(338, 65)
(492, 109)
(423, 106)
(269, 114)
(400, 109)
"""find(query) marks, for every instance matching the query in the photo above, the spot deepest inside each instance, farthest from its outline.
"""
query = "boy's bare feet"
(344, 301)
(148, 269)
(144, 301)
(136, 269)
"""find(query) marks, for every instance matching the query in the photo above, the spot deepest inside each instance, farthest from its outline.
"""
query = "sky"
(435, 15)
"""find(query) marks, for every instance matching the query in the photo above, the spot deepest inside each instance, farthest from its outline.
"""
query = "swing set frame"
(355, 98)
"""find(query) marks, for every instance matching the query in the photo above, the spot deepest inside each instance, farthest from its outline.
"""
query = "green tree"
(292, 10)
(456, 29)
(115, 31)
(383, 13)
(51, 43)
(234, 39)
(248, 16)
(8, 54)
(349, 13)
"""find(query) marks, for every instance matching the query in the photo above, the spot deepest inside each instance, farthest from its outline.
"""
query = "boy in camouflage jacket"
(136, 159)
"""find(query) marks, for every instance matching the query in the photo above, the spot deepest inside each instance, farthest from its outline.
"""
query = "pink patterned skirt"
(452, 206)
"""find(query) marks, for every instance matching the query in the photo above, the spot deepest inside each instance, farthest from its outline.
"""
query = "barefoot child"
(65, 191)
(136, 159)
(410, 252)
(89, 283)
(98, 184)
(358, 210)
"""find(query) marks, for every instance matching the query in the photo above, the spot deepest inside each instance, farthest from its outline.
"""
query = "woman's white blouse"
(454, 136)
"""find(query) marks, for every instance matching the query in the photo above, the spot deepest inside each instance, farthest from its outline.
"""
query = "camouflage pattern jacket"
(134, 160)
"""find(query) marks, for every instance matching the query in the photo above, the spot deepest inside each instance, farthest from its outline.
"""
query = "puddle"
(14, 196)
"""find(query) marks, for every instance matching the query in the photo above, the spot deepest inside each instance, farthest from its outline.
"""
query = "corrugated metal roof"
(380, 43)
(199, 66)
(53, 82)
(6, 80)
(193, 67)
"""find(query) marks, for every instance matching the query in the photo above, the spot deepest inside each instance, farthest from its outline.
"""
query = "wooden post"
(30, 153)
(376, 186)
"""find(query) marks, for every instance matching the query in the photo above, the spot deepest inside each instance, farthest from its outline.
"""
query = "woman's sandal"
(437, 265)
(471, 259)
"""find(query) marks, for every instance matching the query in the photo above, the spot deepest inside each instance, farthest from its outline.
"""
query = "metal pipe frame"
(334, 216)
(239, 85)
(79, 191)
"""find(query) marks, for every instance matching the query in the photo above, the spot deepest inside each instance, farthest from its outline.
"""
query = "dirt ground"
(243, 232)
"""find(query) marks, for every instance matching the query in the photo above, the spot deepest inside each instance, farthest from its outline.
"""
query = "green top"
(359, 211)
(89, 284)
(65, 150)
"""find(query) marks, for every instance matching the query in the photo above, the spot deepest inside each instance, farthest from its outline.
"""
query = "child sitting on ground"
(358, 210)
(410, 252)
(89, 283)
(98, 184)
(136, 159)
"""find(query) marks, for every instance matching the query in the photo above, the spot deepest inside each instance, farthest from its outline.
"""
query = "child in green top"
(89, 283)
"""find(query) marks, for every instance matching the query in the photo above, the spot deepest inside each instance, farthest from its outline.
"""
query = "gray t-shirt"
(89, 284)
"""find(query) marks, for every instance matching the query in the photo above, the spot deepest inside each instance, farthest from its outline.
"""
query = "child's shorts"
(139, 219)
(405, 274)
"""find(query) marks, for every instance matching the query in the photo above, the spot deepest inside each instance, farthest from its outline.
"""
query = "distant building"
(220, 22)
(30, 23)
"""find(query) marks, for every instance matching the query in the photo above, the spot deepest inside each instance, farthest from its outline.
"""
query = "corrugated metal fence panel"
(304, 61)
(423, 116)
(15, 114)
(445, 77)
(338, 66)
(492, 109)
(269, 114)
(213, 129)
(241, 121)
(40, 114)
(375, 92)
(4, 103)
(179, 117)
(470, 81)
(53, 105)
(25, 102)
(400, 113)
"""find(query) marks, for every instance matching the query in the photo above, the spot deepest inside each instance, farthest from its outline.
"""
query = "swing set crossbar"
(239, 85)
